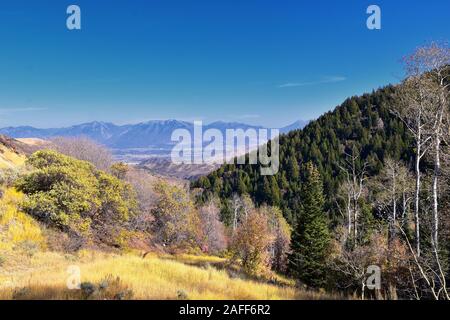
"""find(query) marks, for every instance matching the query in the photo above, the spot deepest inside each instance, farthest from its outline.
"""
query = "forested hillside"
(365, 185)
(363, 125)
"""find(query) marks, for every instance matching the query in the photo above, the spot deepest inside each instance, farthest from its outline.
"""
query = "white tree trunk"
(349, 214)
(437, 168)
(416, 198)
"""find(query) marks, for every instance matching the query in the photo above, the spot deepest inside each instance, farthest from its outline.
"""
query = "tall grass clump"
(18, 230)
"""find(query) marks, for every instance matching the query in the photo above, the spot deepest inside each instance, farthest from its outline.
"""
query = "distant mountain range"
(152, 135)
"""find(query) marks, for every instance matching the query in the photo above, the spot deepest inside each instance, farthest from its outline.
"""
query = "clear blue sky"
(255, 61)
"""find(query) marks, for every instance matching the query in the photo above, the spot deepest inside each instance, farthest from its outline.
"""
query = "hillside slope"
(363, 125)
(12, 152)
(132, 277)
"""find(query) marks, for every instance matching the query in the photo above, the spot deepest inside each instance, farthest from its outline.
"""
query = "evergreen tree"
(310, 243)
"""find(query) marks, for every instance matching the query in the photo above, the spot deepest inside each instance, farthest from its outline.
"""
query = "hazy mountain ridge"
(141, 135)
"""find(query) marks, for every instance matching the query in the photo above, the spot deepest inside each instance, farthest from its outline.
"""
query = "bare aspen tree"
(345, 190)
(434, 277)
(407, 190)
(424, 109)
(247, 204)
(214, 240)
(392, 188)
(434, 62)
(236, 205)
(83, 148)
(354, 188)
(144, 185)
(414, 110)
(241, 207)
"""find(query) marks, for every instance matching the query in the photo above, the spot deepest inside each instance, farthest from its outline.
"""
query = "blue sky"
(255, 61)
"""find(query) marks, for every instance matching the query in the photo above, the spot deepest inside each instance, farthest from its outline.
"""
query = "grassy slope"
(12, 153)
(28, 271)
(152, 277)
(17, 229)
(9, 158)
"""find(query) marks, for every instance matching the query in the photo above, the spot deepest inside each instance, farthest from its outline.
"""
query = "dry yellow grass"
(149, 278)
(17, 229)
(10, 159)
(27, 271)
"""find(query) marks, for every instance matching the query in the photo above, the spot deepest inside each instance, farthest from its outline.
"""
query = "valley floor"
(129, 276)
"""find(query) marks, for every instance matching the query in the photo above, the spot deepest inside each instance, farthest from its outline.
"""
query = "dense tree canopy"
(365, 124)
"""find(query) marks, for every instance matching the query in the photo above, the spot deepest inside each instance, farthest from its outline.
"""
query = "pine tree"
(293, 169)
(275, 192)
(311, 240)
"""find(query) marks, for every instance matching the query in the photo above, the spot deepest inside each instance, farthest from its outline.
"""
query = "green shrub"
(109, 288)
(74, 196)
(28, 247)
(8, 176)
